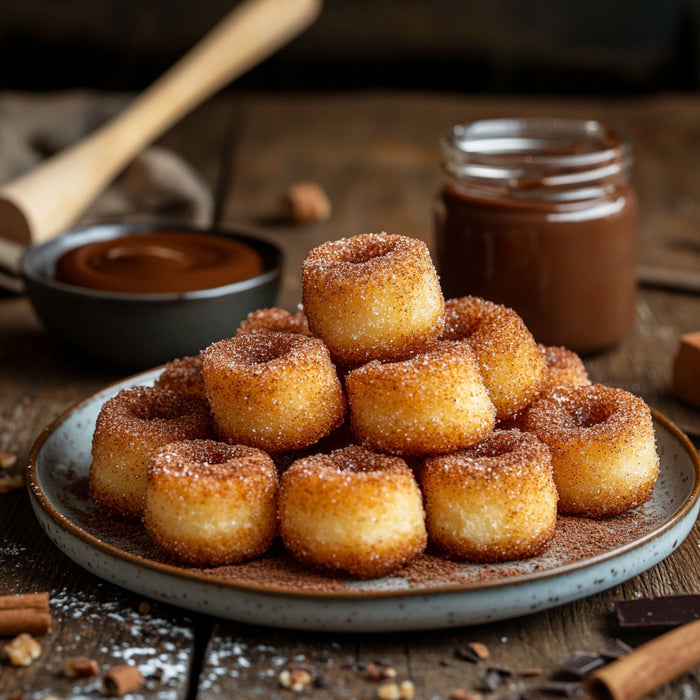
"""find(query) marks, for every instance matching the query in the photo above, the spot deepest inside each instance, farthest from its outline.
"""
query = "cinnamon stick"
(649, 666)
(121, 680)
(28, 613)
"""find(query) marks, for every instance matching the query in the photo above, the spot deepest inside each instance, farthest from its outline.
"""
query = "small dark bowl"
(142, 330)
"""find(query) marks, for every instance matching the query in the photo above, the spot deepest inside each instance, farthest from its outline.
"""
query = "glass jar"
(538, 214)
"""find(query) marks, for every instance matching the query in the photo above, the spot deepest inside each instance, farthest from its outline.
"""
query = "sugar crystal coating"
(129, 427)
(373, 296)
(209, 503)
(603, 447)
(493, 501)
(352, 511)
(273, 390)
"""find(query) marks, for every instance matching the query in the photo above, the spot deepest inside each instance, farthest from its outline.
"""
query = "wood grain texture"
(376, 156)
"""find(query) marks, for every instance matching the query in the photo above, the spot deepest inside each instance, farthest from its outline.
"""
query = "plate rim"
(42, 501)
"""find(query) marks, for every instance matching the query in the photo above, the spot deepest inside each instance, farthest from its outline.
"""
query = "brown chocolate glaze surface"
(159, 262)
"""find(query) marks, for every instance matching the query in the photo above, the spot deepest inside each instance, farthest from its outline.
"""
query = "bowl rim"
(32, 276)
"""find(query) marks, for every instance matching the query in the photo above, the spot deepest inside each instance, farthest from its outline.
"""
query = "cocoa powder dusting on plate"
(576, 539)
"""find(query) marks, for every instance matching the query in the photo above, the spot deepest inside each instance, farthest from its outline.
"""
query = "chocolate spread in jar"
(158, 262)
(544, 223)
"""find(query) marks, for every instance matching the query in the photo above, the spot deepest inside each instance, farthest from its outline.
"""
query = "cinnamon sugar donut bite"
(494, 501)
(276, 391)
(352, 511)
(432, 403)
(274, 319)
(372, 296)
(603, 448)
(564, 368)
(209, 503)
(183, 375)
(511, 363)
(130, 427)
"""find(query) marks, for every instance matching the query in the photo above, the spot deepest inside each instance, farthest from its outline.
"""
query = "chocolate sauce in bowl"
(159, 262)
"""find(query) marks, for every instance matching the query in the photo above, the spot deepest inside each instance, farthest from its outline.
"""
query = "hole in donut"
(590, 415)
(208, 455)
(497, 446)
(263, 348)
(375, 248)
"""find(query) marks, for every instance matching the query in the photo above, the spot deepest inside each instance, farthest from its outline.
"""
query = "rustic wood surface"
(376, 155)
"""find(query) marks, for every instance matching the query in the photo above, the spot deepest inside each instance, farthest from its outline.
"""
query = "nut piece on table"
(307, 203)
(7, 459)
(23, 650)
(686, 369)
(81, 667)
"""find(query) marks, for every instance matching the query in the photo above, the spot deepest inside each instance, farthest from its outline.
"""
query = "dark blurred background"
(533, 46)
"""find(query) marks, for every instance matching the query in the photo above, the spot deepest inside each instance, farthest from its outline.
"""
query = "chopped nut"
(7, 459)
(23, 650)
(144, 607)
(11, 483)
(462, 694)
(306, 202)
(397, 691)
(378, 672)
(296, 679)
(481, 650)
(530, 671)
(389, 691)
(81, 667)
(408, 690)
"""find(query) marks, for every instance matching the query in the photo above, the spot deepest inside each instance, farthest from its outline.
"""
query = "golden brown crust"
(493, 501)
(183, 375)
(603, 447)
(274, 319)
(564, 368)
(512, 365)
(432, 403)
(130, 427)
(276, 391)
(373, 296)
(352, 511)
(208, 503)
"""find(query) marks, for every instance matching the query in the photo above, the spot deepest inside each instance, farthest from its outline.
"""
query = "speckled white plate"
(60, 463)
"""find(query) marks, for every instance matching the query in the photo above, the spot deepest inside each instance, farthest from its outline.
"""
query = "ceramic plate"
(585, 557)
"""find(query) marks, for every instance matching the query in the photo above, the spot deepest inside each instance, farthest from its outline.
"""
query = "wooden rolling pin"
(49, 199)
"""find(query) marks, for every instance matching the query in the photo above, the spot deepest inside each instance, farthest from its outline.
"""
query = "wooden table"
(376, 155)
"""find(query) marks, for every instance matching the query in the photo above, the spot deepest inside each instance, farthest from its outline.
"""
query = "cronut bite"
(274, 319)
(603, 448)
(432, 403)
(209, 503)
(512, 365)
(352, 511)
(373, 296)
(272, 390)
(130, 427)
(493, 501)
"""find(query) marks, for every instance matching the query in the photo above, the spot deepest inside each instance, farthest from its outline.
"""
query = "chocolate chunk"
(658, 614)
(559, 689)
(495, 677)
(615, 651)
(580, 664)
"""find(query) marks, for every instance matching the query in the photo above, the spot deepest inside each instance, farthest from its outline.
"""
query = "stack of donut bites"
(377, 421)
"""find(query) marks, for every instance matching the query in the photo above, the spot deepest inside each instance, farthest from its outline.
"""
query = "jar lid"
(562, 156)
